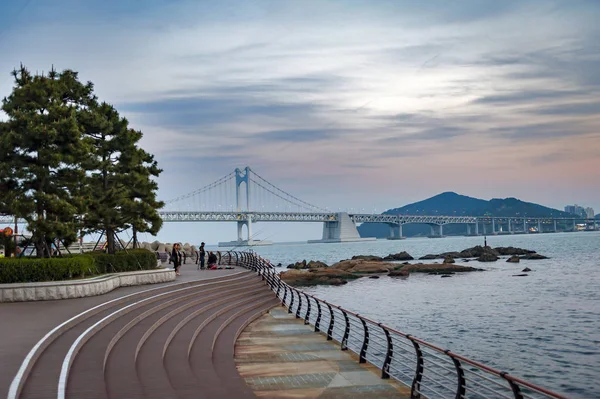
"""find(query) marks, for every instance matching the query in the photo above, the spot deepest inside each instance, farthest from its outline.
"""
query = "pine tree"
(142, 207)
(41, 152)
(122, 194)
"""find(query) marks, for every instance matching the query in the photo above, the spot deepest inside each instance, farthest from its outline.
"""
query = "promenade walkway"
(280, 357)
(176, 340)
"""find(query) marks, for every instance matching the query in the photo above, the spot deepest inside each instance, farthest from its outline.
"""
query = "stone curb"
(52, 290)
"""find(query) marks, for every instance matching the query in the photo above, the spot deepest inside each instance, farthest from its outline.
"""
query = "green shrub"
(124, 261)
(25, 270)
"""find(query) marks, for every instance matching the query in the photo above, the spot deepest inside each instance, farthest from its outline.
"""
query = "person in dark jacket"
(176, 257)
(212, 260)
(201, 256)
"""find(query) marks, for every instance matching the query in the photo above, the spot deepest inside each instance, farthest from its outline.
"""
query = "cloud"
(528, 97)
(573, 109)
(358, 92)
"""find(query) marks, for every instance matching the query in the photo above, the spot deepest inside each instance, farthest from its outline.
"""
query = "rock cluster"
(313, 264)
(156, 246)
(317, 272)
(487, 254)
(339, 273)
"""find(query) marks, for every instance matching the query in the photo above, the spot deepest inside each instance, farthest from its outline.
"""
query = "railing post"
(415, 389)
(385, 368)
(291, 300)
(307, 316)
(331, 320)
(318, 322)
(460, 375)
(237, 262)
(285, 290)
(344, 343)
(299, 305)
(515, 388)
(363, 350)
(279, 283)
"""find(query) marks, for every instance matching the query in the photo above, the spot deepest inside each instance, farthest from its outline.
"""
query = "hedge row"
(29, 270)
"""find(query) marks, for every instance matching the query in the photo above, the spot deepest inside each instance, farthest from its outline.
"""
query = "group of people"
(176, 258)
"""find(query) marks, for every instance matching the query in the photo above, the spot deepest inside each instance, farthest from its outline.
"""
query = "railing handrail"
(268, 272)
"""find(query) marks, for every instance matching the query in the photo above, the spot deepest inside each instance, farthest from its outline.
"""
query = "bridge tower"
(243, 177)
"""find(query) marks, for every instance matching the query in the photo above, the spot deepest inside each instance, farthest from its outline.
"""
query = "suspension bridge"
(245, 197)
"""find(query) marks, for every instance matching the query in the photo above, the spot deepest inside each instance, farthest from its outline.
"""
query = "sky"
(345, 104)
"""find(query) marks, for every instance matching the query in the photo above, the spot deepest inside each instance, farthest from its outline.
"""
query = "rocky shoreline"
(319, 273)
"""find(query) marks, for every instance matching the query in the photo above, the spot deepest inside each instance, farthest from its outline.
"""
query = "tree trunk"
(135, 241)
(110, 241)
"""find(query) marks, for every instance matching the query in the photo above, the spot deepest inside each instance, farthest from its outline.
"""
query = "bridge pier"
(395, 232)
(555, 229)
(493, 226)
(539, 225)
(240, 228)
(510, 230)
(341, 230)
(525, 229)
(439, 229)
(476, 228)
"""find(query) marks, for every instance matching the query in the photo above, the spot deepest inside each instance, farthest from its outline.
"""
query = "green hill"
(453, 204)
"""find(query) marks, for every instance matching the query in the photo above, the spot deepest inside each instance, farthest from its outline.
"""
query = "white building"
(589, 212)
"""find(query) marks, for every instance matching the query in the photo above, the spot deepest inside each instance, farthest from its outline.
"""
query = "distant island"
(453, 204)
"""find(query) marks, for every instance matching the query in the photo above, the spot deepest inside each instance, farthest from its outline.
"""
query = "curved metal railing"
(429, 370)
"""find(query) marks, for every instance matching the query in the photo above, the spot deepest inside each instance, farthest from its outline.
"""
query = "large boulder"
(533, 256)
(514, 259)
(487, 257)
(513, 251)
(313, 264)
(429, 257)
(398, 273)
(399, 256)
(437, 268)
(372, 258)
(477, 251)
(363, 266)
(316, 264)
(448, 259)
(298, 265)
(326, 276)
(450, 254)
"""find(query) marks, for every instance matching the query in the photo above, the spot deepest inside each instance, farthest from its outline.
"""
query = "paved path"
(280, 357)
(25, 323)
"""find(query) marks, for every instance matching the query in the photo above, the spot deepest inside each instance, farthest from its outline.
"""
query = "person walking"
(176, 257)
(201, 256)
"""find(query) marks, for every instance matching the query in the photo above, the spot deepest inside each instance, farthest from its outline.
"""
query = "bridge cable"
(276, 194)
(286, 193)
(214, 184)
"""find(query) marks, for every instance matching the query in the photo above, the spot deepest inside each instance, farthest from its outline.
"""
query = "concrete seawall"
(52, 290)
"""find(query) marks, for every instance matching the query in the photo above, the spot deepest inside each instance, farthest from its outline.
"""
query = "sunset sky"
(345, 104)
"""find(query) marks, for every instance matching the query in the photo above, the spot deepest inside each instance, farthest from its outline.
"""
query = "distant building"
(589, 213)
(576, 210)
